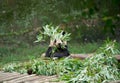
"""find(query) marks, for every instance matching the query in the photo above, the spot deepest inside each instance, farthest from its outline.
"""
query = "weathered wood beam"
(83, 56)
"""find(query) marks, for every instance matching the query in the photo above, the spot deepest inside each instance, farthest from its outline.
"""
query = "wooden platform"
(83, 56)
(6, 77)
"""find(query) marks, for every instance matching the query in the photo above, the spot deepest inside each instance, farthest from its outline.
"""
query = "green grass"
(83, 47)
(17, 54)
(10, 54)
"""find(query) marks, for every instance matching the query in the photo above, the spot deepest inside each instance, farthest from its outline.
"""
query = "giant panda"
(60, 51)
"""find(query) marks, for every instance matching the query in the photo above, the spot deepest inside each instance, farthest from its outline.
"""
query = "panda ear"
(63, 33)
(65, 42)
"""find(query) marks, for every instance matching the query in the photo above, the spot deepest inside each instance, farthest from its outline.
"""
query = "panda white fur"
(59, 52)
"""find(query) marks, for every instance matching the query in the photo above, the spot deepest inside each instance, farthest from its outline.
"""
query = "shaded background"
(87, 20)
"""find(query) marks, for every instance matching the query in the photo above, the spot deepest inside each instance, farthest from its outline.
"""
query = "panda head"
(59, 43)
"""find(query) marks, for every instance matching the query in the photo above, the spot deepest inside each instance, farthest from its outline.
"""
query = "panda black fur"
(59, 52)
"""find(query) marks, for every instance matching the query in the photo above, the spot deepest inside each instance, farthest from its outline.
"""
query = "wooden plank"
(32, 80)
(83, 56)
(7, 78)
(20, 79)
(1, 71)
(80, 56)
(8, 74)
(45, 79)
(29, 78)
(48, 79)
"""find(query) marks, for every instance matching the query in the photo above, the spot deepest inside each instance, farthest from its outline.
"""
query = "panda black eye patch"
(55, 41)
(63, 33)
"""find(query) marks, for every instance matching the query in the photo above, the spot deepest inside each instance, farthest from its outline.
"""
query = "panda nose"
(59, 44)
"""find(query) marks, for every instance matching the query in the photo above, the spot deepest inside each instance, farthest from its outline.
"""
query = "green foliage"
(22, 53)
(101, 67)
(18, 67)
(42, 67)
(90, 20)
(68, 67)
(83, 48)
(54, 33)
(59, 67)
(25, 52)
(46, 67)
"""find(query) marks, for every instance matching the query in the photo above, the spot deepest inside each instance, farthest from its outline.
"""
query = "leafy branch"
(101, 67)
(54, 33)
